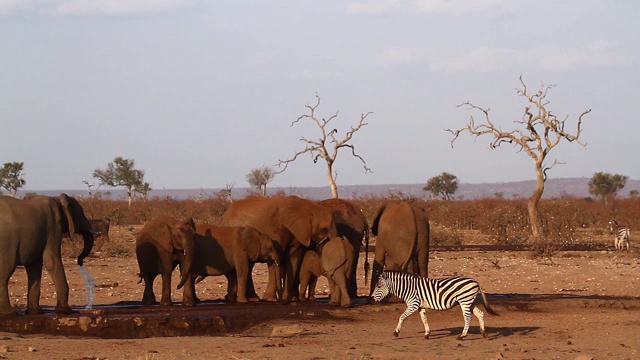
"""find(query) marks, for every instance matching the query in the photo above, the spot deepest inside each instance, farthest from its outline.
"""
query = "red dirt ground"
(578, 305)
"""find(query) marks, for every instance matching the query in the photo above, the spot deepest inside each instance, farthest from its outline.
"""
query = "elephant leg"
(378, 266)
(291, 277)
(53, 264)
(340, 286)
(232, 287)
(241, 280)
(165, 299)
(148, 297)
(305, 283)
(270, 291)
(189, 297)
(34, 279)
(251, 293)
(353, 282)
(5, 304)
(334, 295)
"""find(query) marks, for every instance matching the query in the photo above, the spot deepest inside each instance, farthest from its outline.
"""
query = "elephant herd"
(298, 239)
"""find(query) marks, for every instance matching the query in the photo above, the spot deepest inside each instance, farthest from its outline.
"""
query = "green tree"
(443, 185)
(11, 177)
(143, 189)
(536, 134)
(327, 145)
(259, 178)
(121, 172)
(606, 186)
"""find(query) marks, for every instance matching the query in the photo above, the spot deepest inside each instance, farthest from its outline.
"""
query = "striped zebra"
(439, 294)
(622, 232)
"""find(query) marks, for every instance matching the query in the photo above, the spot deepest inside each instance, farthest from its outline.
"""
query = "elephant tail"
(366, 256)
(329, 272)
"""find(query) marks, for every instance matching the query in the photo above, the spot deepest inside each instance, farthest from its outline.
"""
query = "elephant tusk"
(95, 233)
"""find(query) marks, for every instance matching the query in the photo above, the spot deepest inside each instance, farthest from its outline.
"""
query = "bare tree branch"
(328, 145)
(539, 132)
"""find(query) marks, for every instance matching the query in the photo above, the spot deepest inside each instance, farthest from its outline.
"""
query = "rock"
(583, 357)
(32, 349)
(287, 330)
(4, 349)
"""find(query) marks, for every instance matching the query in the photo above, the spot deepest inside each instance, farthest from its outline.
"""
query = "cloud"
(429, 7)
(493, 59)
(377, 7)
(63, 8)
(13, 6)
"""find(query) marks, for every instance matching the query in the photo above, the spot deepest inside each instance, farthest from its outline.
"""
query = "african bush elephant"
(352, 224)
(402, 242)
(334, 260)
(292, 223)
(31, 235)
(229, 251)
(162, 244)
(101, 228)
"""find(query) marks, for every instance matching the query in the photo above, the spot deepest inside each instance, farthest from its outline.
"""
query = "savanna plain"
(573, 304)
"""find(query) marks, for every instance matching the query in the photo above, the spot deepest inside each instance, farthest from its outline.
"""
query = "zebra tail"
(486, 304)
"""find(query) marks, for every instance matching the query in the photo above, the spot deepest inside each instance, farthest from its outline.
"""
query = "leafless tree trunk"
(541, 131)
(319, 148)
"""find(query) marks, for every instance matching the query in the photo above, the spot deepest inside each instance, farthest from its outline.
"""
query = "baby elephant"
(332, 259)
(100, 227)
(230, 251)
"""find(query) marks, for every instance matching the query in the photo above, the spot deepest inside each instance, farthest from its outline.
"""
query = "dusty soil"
(578, 305)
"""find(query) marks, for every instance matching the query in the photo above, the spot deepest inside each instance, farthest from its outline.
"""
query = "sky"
(198, 93)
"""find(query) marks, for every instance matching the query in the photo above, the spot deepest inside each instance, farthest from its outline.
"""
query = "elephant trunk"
(274, 260)
(279, 290)
(185, 265)
(88, 246)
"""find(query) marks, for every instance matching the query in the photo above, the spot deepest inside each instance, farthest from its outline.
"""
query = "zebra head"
(613, 225)
(382, 288)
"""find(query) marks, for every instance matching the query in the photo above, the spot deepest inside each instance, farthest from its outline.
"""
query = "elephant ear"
(376, 219)
(66, 203)
(333, 255)
(249, 242)
(298, 222)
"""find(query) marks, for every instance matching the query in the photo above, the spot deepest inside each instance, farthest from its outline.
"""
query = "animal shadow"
(474, 334)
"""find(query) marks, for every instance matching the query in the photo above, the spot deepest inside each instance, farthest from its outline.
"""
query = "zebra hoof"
(460, 338)
(396, 334)
(426, 337)
(484, 335)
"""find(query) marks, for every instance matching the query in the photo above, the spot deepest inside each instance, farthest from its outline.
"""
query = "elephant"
(402, 243)
(101, 228)
(334, 260)
(293, 223)
(229, 251)
(164, 243)
(352, 224)
(31, 235)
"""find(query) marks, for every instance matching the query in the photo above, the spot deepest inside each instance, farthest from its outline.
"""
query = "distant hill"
(577, 187)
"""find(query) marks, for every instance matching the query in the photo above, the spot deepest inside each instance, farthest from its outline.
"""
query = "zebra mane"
(401, 273)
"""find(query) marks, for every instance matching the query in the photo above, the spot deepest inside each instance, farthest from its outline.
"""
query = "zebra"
(428, 293)
(622, 232)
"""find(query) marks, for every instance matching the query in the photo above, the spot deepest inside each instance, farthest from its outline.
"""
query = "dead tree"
(540, 132)
(327, 146)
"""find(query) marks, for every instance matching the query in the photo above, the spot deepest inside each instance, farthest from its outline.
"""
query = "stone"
(287, 330)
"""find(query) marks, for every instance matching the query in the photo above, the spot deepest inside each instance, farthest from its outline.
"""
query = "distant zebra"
(439, 294)
(622, 232)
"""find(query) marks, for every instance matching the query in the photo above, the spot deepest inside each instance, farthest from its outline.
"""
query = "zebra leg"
(423, 316)
(410, 310)
(480, 315)
(466, 314)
